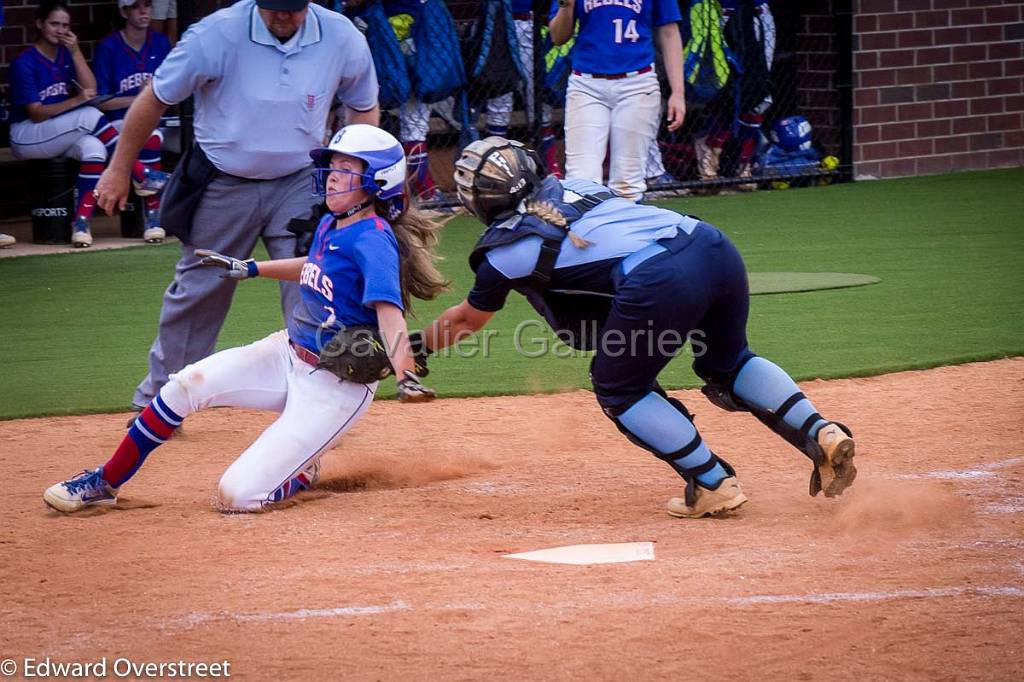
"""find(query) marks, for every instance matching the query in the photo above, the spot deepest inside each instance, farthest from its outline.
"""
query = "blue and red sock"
(106, 133)
(549, 152)
(419, 168)
(149, 157)
(152, 428)
(88, 175)
(292, 487)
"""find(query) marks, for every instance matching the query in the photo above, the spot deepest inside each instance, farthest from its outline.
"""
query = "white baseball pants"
(625, 111)
(316, 409)
(68, 134)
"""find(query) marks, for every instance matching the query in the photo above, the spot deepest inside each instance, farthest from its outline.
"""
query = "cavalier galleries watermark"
(534, 339)
(120, 668)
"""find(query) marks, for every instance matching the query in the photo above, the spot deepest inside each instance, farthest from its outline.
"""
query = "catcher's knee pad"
(664, 427)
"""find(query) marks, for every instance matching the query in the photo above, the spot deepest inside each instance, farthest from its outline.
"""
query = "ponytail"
(417, 244)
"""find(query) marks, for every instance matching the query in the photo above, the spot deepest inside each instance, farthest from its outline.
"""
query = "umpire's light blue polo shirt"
(261, 105)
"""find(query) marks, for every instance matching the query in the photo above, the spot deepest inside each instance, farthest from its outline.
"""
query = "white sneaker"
(7, 241)
(81, 236)
(85, 490)
(153, 182)
(153, 234)
(312, 473)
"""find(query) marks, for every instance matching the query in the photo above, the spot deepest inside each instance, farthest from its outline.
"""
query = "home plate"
(613, 553)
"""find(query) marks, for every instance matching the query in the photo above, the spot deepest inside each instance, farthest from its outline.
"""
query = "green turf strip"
(949, 251)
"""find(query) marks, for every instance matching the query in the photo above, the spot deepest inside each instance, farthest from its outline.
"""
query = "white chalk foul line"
(1006, 591)
(832, 597)
(981, 471)
(299, 614)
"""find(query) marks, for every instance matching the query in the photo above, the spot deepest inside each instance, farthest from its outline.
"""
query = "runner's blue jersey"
(347, 271)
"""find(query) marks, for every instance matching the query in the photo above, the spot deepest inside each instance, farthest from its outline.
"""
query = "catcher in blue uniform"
(633, 283)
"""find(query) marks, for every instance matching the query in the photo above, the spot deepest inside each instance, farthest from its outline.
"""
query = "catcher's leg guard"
(664, 427)
(766, 391)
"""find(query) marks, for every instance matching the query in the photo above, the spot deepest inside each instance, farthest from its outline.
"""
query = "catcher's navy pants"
(693, 286)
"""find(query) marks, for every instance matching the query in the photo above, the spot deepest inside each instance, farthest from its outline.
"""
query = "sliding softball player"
(347, 333)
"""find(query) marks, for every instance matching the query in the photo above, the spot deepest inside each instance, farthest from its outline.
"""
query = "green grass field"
(949, 251)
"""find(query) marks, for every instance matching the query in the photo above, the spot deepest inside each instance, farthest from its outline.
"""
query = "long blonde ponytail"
(417, 243)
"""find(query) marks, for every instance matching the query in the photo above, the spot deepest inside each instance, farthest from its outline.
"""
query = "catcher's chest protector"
(516, 227)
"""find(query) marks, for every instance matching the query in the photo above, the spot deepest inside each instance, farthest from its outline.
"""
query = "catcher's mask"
(494, 174)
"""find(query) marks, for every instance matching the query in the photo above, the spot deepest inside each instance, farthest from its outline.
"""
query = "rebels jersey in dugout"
(617, 36)
(347, 271)
(34, 78)
(121, 70)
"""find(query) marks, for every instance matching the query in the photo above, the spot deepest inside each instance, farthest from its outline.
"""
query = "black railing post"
(843, 11)
(540, 18)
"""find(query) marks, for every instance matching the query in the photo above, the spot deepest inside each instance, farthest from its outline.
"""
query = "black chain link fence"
(767, 81)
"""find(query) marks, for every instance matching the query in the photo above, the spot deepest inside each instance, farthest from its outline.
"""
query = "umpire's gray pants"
(231, 216)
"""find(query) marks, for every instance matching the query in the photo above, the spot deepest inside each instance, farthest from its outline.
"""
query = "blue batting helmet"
(384, 176)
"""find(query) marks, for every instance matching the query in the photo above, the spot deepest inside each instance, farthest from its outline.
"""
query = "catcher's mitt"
(356, 354)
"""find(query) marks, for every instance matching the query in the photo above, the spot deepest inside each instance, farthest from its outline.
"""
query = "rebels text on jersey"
(121, 70)
(34, 78)
(616, 36)
(347, 271)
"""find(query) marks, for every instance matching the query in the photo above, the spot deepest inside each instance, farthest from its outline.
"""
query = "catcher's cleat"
(836, 472)
(85, 490)
(725, 497)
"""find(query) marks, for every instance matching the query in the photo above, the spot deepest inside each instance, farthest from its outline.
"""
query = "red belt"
(522, 16)
(614, 76)
(307, 356)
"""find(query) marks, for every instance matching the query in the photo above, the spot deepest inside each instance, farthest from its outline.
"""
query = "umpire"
(264, 74)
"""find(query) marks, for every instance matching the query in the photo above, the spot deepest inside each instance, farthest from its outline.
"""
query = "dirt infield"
(393, 569)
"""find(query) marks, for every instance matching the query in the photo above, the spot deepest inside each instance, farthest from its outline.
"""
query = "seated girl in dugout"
(48, 122)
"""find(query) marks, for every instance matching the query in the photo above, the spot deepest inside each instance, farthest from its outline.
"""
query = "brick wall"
(939, 86)
(816, 71)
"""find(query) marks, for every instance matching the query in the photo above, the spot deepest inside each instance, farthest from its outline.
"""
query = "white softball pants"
(499, 109)
(624, 111)
(68, 134)
(316, 409)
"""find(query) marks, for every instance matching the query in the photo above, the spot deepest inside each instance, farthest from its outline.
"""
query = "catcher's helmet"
(494, 174)
(384, 176)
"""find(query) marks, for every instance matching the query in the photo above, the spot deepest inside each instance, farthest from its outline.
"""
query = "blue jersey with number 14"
(617, 36)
